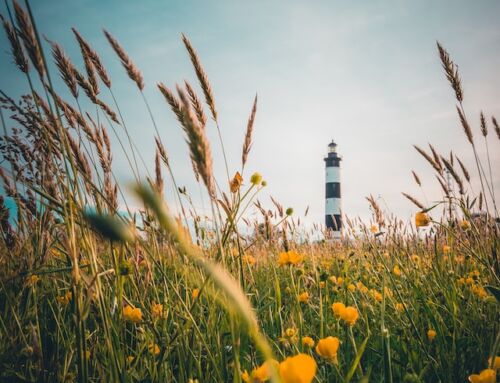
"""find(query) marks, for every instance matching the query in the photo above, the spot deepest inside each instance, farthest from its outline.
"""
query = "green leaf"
(110, 227)
(495, 291)
(356, 360)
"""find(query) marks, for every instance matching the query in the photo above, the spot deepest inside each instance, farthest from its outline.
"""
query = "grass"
(89, 292)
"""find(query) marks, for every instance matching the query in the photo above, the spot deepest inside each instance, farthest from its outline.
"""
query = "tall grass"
(93, 291)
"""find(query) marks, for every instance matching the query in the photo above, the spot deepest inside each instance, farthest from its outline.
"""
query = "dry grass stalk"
(16, 48)
(162, 152)
(443, 186)
(199, 146)
(484, 128)
(495, 125)
(379, 216)
(451, 70)
(110, 112)
(28, 36)
(415, 201)
(196, 104)
(66, 68)
(417, 179)
(92, 78)
(133, 72)
(87, 50)
(428, 158)
(172, 100)
(159, 184)
(247, 144)
(437, 159)
(202, 76)
(465, 125)
(464, 170)
(454, 174)
(85, 85)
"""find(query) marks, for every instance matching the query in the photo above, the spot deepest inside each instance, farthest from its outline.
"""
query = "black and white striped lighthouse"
(333, 218)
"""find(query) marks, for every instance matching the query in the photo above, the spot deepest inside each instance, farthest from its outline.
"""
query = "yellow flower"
(496, 363)
(256, 179)
(290, 332)
(340, 280)
(485, 376)
(132, 314)
(431, 334)
(374, 229)
(322, 285)
(465, 225)
(156, 310)
(245, 376)
(153, 349)
(349, 315)
(65, 299)
(328, 347)
(469, 281)
(236, 182)
(308, 341)
(446, 249)
(298, 369)
(376, 295)
(361, 287)
(195, 293)
(396, 271)
(351, 288)
(130, 359)
(87, 354)
(304, 297)
(479, 291)
(249, 259)
(32, 280)
(422, 219)
(263, 373)
(337, 308)
(290, 258)
(400, 307)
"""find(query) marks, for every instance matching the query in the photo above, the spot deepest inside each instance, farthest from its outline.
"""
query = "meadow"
(91, 290)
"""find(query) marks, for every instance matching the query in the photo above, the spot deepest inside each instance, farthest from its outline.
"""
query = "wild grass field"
(91, 290)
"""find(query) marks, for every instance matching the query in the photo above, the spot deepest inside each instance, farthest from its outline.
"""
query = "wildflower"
(298, 369)
(446, 249)
(308, 341)
(374, 229)
(333, 279)
(469, 281)
(256, 179)
(245, 376)
(249, 259)
(156, 310)
(396, 271)
(263, 372)
(66, 298)
(153, 349)
(130, 359)
(236, 182)
(485, 376)
(290, 258)
(361, 287)
(479, 291)
(328, 347)
(263, 183)
(349, 315)
(289, 211)
(337, 308)
(195, 293)
(465, 225)
(132, 314)
(32, 280)
(400, 307)
(495, 364)
(431, 334)
(290, 332)
(304, 297)
(422, 219)
(461, 281)
(340, 280)
(351, 287)
(322, 285)
(376, 295)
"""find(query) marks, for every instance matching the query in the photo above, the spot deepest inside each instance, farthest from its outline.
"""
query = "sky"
(365, 74)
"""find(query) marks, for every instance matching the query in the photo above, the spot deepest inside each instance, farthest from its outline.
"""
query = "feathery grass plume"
(202, 76)
(110, 112)
(464, 170)
(27, 33)
(66, 68)
(87, 50)
(484, 128)
(416, 202)
(495, 125)
(198, 142)
(465, 125)
(417, 179)
(247, 144)
(172, 100)
(454, 174)
(480, 201)
(428, 158)
(451, 70)
(85, 85)
(81, 160)
(379, 216)
(443, 186)
(133, 72)
(436, 158)
(92, 78)
(16, 48)
(161, 151)
(159, 178)
(196, 104)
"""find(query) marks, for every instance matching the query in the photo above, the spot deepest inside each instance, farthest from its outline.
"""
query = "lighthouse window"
(332, 190)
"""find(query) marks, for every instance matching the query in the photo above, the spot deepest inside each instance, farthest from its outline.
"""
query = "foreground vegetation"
(92, 291)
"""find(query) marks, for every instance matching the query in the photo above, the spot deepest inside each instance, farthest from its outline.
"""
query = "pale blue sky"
(364, 73)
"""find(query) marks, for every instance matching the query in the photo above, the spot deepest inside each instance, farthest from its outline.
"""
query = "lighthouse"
(333, 218)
